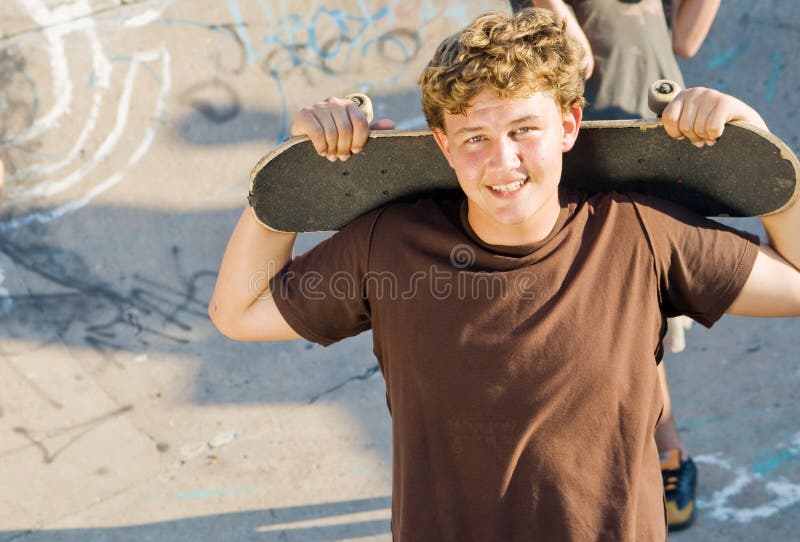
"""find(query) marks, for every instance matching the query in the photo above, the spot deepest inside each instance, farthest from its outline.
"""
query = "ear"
(571, 124)
(441, 139)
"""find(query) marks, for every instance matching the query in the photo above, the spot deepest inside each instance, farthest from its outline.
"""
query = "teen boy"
(518, 326)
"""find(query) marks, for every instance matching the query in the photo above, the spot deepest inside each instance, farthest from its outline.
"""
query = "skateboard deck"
(748, 172)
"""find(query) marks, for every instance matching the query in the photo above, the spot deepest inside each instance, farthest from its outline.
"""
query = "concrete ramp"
(129, 129)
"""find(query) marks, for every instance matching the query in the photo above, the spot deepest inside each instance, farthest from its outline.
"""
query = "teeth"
(508, 187)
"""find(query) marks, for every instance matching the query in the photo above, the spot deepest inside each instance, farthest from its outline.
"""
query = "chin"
(520, 211)
(514, 219)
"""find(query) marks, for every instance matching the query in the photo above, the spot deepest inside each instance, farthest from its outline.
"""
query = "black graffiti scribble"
(231, 29)
(150, 310)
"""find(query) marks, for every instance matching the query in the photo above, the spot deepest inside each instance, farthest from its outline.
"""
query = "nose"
(506, 156)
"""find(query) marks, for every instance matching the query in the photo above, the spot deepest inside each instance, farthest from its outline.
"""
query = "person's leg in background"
(677, 468)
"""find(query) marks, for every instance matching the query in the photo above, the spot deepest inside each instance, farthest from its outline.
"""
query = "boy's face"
(507, 156)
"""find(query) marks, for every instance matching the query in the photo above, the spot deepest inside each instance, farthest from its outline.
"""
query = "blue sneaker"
(680, 481)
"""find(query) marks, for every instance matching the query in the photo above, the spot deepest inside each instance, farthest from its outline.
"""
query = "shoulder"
(394, 228)
(620, 205)
(418, 216)
(654, 209)
(636, 213)
(396, 217)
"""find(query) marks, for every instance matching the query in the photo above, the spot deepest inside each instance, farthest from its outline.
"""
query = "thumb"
(383, 124)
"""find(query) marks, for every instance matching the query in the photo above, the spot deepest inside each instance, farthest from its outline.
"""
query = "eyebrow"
(481, 127)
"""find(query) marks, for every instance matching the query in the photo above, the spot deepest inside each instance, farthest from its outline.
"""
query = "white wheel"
(363, 102)
(661, 94)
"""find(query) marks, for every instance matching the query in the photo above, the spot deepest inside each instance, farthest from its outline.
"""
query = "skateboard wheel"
(363, 102)
(661, 94)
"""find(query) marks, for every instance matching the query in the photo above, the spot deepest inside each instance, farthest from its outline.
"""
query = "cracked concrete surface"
(367, 373)
(128, 131)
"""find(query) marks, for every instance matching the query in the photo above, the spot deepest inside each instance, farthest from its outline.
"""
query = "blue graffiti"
(770, 461)
(724, 59)
(777, 62)
(295, 41)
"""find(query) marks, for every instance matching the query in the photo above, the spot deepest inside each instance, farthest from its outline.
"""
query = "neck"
(536, 228)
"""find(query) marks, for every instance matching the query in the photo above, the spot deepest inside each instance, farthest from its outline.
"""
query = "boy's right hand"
(336, 127)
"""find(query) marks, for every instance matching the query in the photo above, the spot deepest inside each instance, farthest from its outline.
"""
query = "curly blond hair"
(516, 56)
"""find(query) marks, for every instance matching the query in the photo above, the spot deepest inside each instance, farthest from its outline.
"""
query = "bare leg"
(667, 437)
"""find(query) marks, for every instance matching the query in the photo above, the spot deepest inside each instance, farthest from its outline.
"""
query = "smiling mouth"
(510, 187)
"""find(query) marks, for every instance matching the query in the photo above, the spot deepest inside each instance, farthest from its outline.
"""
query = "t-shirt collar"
(567, 206)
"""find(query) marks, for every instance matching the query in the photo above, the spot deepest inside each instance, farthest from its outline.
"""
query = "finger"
(344, 128)
(307, 124)
(688, 115)
(701, 127)
(716, 121)
(710, 117)
(671, 116)
(331, 134)
(383, 124)
(360, 128)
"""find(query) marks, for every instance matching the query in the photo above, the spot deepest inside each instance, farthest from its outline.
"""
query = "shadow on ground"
(117, 283)
(289, 524)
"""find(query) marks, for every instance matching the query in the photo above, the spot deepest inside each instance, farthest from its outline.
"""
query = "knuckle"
(337, 102)
(670, 118)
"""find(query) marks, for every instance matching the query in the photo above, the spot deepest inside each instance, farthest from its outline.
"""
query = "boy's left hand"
(700, 114)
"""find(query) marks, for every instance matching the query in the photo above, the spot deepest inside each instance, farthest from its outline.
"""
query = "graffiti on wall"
(87, 90)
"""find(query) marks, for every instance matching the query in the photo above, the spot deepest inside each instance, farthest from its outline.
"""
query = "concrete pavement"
(128, 130)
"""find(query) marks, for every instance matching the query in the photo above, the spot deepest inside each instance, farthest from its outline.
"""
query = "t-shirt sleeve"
(320, 293)
(701, 265)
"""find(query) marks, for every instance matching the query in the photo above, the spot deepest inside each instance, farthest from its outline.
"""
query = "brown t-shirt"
(521, 381)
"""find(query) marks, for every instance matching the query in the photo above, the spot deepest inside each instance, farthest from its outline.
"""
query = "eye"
(475, 139)
(523, 130)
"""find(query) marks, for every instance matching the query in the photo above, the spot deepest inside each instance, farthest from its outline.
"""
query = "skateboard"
(748, 172)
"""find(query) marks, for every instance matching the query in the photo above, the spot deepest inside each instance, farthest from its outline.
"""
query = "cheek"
(542, 153)
(468, 166)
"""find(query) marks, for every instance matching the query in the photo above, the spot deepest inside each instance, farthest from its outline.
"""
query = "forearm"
(556, 6)
(254, 255)
(691, 21)
(574, 29)
(782, 231)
